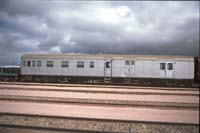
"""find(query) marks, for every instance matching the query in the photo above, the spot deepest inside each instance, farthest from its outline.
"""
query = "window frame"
(91, 65)
(49, 63)
(127, 62)
(170, 67)
(65, 64)
(132, 62)
(39, 63)
(162, 66)
(33, 63)
(28, 63)
(108, 64)
(80, 64)
(24, 63)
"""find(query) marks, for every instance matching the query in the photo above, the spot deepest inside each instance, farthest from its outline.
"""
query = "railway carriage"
(9, 73)
(108, 68)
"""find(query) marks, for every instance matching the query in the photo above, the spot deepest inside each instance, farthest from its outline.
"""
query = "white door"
(132, 68)
(166, 69)
(129, 68)
(162, 72)
(169, 69)
(108, 68)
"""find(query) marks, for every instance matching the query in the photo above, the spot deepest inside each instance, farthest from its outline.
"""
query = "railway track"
(101, 89)
(33, 107)
(98, 86)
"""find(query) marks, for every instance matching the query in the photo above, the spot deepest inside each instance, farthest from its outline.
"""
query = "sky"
(111, 27)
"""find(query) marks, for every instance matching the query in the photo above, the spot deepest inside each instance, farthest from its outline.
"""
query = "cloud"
(130, 27)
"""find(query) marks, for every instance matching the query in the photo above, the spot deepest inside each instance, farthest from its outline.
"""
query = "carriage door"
(169, 69)
(132, 68)
(129, 68)
(166, 69)
(108, 68)
(162, 72)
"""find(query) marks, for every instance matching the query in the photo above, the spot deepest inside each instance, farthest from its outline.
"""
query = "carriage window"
(33, 63)
(127, 62)
(49, 64)
(107, 64)
(170, 66)
(65, 64)
(162, 66)
(91, 64)
(80, 64)
(24, 63)
(132, 62)
(39, 63)
(28, 63)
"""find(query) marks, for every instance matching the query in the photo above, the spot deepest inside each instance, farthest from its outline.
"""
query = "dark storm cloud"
(130, 27)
